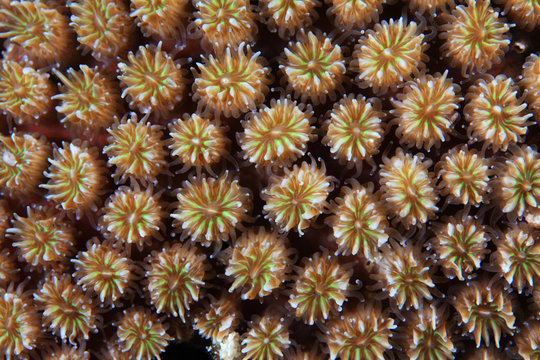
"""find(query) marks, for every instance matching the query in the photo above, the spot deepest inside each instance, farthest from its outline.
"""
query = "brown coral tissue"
(270, 179)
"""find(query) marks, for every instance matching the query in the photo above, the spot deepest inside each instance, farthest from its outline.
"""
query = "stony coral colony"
(269, 180)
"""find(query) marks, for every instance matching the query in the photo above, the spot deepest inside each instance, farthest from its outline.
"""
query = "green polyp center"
(197, 142)
(387, 54)
(37, 30)
(225, 82)
(213, 210)
(108, 273)
(19, 90)
(409, 276)
(466, 176)
(70, 310)
(498, 110)
(461, 248)
(526, 186)
(75, 176)
(220, 13)
(485, 311)
(155, 80)
(176, 282)
(43, 234)
(10, 159)
(313, 65)
(386, 58)
(429, 112)
(84, 100)
(294, 201)
(136, 149)
(357, 131)
(480, 35)
(521, 256)
(412, 192)
(321, 288)
(134, 218)
(258, 265)
(429, 339)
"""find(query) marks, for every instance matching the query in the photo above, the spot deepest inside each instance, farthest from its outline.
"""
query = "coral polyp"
(352, 14)
(210, 209)
(19, 324)
(24, 157)
(42, 238)
(141, 335)
(161, 19)
(218, 319)
(464, 176)
(66, 352)
(460, 245)
(363, 333)
(518, 257)
(5, 217)
(175, 277)
(266, 339)
(105, 271)
(475, 38)
(225, 23)
(388, 55)
(286, 16)
(103, 27)
(313, 67)
(152, 80)
(531, 81)
(88, 100)
(358, 222)
(408, 188)
(41, 31)
(276, 135)
(298, 354)
(136, 149)
(354, 129)
(229, 348)
(426, 110)
(297, 198)
(76, 177)
(431, 6)
(132, 216)
(526, 13)
(519, 182)
(405, 274)
(25, 93)
(8, 268)
(486, 353)
(257, 263)
(495, 114)
(484, 309)
(427, 335)
(67, 311)
(528, 340)
(320, 289)
(231, 83)
(197, 141)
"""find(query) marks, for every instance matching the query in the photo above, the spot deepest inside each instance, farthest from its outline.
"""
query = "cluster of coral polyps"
(353, 179)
